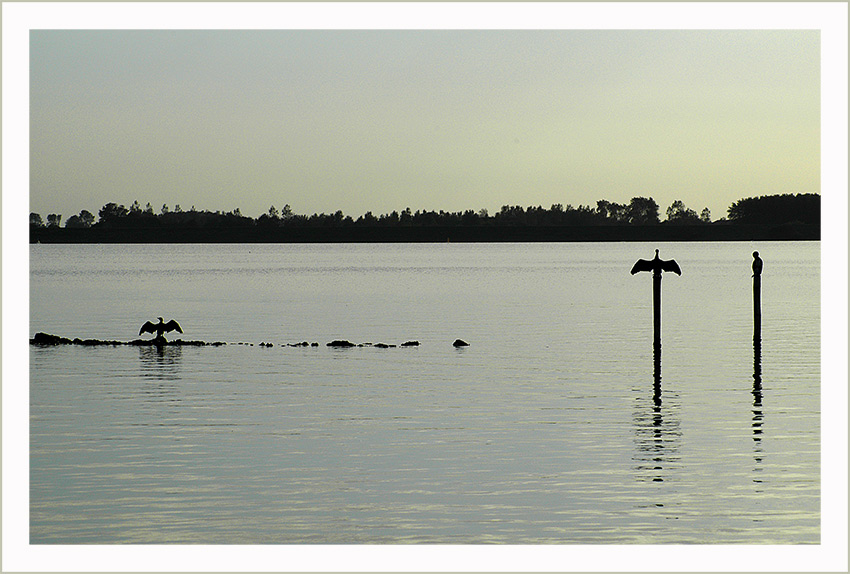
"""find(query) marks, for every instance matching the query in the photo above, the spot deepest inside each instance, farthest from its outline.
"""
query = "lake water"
(546, 429)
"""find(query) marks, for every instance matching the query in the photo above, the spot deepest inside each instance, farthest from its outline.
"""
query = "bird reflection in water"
(657, 433)
(160, 363)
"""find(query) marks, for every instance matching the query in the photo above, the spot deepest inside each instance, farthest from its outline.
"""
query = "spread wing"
(642, 265)
(671, 266)
(148, 328)
(172, 326)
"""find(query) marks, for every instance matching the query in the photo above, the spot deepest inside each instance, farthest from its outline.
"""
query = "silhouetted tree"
(83, 220)
(367, 219)
(510, 215)
(35, 220)
(270, 218)
(611, 212)
(111, 212)
(777, 209)
(53, 220)
(389, 220)
(642, 211)
(681, 214)
(705, 215)
(469, 217)
(87, 217)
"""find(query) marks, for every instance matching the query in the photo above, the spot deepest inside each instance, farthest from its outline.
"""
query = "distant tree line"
(640, 211)
(788, 208)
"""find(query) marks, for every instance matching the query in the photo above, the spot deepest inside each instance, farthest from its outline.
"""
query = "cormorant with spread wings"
(656, 265)
(160, 328)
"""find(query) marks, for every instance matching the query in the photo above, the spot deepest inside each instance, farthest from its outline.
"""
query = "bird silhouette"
(656, 265)
(758, 264)
(160, 328)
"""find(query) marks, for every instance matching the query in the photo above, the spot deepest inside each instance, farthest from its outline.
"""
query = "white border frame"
(19, 18)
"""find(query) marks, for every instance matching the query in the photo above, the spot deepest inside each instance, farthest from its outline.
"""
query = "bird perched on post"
(758, 264)
(656, 265)
(160, 328)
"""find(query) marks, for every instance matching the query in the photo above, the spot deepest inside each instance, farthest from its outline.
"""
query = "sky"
(381, 120)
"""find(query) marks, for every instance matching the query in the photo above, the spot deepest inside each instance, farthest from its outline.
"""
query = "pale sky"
(381, 120)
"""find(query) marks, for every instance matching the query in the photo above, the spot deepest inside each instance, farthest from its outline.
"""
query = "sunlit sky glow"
(380, 120)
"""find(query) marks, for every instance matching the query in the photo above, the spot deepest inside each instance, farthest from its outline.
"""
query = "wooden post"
(656, 308)
(758, 265)
(757, 306)
(657, 266)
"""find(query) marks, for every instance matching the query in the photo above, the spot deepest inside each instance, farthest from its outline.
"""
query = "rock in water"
(339, 343)
(47, 339)
(460, 343)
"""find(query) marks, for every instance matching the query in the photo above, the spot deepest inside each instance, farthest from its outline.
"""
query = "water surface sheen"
(548, 428)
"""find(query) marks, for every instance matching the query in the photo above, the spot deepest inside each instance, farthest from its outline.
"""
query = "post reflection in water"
(758, 413)
(656, 375)
(657, 433)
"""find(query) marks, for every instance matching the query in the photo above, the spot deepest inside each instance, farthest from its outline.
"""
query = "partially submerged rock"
(46, 339)
(460, 343)
(341, 343)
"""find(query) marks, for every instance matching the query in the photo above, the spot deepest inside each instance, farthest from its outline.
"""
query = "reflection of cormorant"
(160, 362)
(656, 265)
(160, 328)
(758, 264)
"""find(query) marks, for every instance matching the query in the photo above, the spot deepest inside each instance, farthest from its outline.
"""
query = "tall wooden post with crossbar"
(657, 266)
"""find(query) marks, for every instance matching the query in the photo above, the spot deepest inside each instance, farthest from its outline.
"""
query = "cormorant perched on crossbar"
(160, 328)
(656, 265)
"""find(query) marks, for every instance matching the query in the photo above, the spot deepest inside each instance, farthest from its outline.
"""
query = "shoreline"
(432, 234)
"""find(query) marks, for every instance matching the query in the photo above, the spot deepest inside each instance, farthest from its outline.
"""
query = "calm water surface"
(546, 429)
